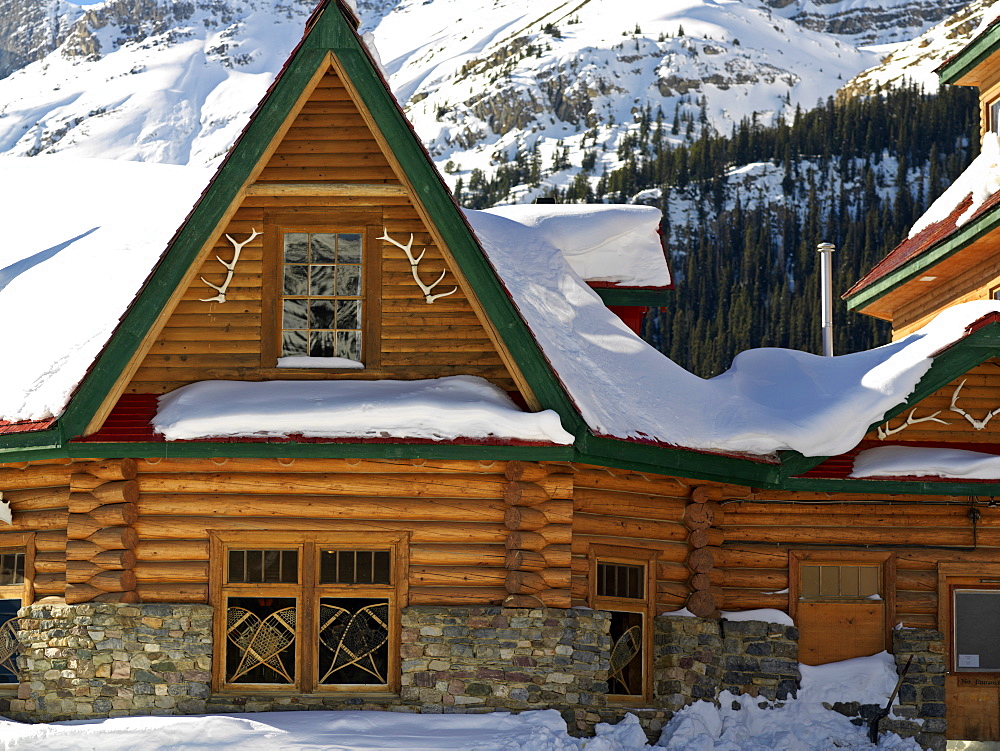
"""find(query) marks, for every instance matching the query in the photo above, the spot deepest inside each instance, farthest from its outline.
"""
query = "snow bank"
(601, 243)
(915, 461)
(765, 615)
(981, 180)
(769, 400)
(344, 731)
(439, 409)
(802, 724)
(81, 236)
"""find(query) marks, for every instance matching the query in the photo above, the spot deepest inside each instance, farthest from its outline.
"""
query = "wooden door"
(969, 618)
(842, 603)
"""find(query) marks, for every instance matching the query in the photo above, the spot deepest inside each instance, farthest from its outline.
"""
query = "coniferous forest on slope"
(856, 173)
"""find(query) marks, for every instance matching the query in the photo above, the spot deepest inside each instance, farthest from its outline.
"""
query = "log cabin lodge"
(348, 446)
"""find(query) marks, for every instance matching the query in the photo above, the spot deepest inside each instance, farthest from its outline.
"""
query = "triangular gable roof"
(957, 69)
(915, 255)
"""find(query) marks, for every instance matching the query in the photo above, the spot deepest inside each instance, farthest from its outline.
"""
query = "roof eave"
(954, 70)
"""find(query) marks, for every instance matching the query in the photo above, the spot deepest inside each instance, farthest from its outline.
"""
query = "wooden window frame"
(599, 553)
(974, 570)
(21, 542)
(884, 559)
(307, 592)
(367, 221)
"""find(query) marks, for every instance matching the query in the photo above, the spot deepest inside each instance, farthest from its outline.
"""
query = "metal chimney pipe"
(826, 294)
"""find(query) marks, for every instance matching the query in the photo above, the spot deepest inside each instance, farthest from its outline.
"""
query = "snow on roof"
(81, 236)
(601, 243)
(974, 192)
(918, 461)
(769, 400)
(438, 409)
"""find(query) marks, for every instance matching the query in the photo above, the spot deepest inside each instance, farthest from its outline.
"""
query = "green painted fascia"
(891, 487)
(458, 237)
(972, 55)
(642, 457)
(650, 298)
(329, 32)
(917, 265)
(38, 440)
(205, 217)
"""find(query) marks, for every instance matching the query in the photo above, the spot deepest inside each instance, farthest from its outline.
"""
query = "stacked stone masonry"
(114, 659)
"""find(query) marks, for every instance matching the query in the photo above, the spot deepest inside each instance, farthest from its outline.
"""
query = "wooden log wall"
(539, 518)
(328, 143)
(920, 531)
(455, 511)
(612, 507)
(38, 495)
(101, 539)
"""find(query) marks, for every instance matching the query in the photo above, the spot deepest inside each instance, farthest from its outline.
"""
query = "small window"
(309, 612)
(839, 582)
(622, 580)
(321, 294)
(994, 116)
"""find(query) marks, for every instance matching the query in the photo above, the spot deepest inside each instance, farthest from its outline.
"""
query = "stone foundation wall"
(696, 658)
(921, 696)
(110, 660)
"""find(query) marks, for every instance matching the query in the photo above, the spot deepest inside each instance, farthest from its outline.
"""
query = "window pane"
(868, 583)
(809, 576)
(348, 314)
(324, 248)
(295, 280)
(294, 343)
(9, 644)
(263, 566)
(294, 315)
(977, 618)
(322, 344)
(321, 314)
(620, 580)
(260, 640)
(349, 280)
(829, 581)
(349, 248)
(296, 247)
(354, 567)
(849, 584)
(349, 345)
(322, 281)
(11, 568)
(353, 641)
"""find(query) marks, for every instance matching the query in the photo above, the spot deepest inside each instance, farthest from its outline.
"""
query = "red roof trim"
(840, 467)
(25, 426)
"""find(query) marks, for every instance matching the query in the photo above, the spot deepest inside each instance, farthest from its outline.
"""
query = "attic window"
(319, 309)
(994, 116)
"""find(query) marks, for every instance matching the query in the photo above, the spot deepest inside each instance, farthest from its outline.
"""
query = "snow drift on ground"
(601, 243)
(916, 461)
(438, 409)
(81, 236)
(769, 400)
(981, 180)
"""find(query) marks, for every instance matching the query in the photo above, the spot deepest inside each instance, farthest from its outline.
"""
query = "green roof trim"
(951, 245)
(651, 298)
(892, 487)
(330, 32)
(970, 56)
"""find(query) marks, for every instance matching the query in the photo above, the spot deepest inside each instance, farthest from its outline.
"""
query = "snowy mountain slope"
(153, 80)
(916, 60)
(31, 30)
(485, 84)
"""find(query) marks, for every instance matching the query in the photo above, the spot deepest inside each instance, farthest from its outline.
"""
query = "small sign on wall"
(968, 661)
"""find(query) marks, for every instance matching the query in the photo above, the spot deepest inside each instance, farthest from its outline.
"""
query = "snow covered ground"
(742, 723)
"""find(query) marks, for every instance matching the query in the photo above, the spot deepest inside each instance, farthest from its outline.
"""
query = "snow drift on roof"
(601, 243)
(438, 409)
(81, 236)
(769, 400)
(918, 461)
(981, 179)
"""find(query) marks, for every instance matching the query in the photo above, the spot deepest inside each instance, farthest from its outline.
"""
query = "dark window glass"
(260, 639)
(11, 568)
(321, 289)
(620, 580)
(354, 567)
(353, 641)
(263, 566)
(976, 618)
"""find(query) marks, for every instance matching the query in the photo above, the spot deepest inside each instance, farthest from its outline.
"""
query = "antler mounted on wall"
(230, 268)
(977, 424)
(414, 263)
(884, 431)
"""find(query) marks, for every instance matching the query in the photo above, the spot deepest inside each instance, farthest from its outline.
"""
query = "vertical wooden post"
(703, 517)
